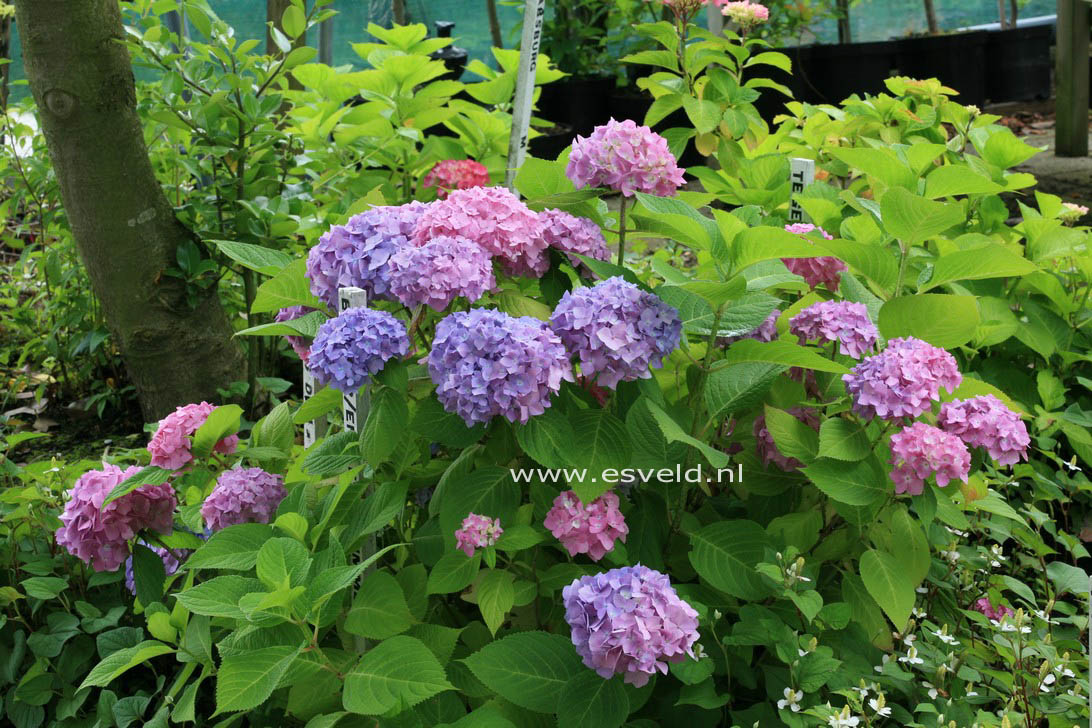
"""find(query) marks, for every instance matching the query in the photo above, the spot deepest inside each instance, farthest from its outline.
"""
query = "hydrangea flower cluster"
(588, 529)
(100, 535)
(626, 158)
(823, 270)
(439, 271)
(842, 321)
(745, 13)
(1072, 212)
(486, 363)
(456, 174)
(356, 253)
(986, 422)
(764, 332)
(617, 330)
(921, 450)
(997, 613)
(629, 621)
(170, 564)
(493, 218)
(901, 381)
(170, 445)
(299, 344)
(572, 234)
(243, 495)
(355, 344)
(767, 449)
(477, 532)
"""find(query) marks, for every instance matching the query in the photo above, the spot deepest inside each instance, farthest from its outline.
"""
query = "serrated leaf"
(725, 555)
(247, 680)
(397, 673)
(379, 610)
(529, 669)
(885, 581)
(589, 700)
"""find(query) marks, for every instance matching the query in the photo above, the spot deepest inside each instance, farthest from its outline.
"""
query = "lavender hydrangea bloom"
(99, 535)
(170, 564)
(841, 321)
(572, 234)
(902, 381)
(629, 621)
(617, 330)
(439, 271)
(486, 363)
(921, 450)
(299, 344)
(356, 253)
(242, 495)
(355, 344)
(767, 449)
(626, 158)
(986, 422)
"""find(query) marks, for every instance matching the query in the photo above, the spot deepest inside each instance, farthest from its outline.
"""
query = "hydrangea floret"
(477, 532)
(588, 529)
(486, 363)
(626, 158)
(299, 344)
(901, 381)
(921, 450)
(442, 269)
(629, 621)
(986, 422)
(767, 449)
(243, 495)
(354, 345)
(571, 234)
(170, 445)
(456, 174)
(99, 535)
(616, 330)
(844, 322)
(823, 270)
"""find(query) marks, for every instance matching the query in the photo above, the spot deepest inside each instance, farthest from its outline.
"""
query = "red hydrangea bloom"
(456, 174)
(170, 445)
(587, 529)
(921, 450)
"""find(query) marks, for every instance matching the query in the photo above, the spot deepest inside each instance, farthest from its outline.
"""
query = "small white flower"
(879, 668)
(909, 640)
(843, 719)
(791, 701)
(882, 710)
(932, 690)
(952, 555)
(1063, 671)
(912, 657)
(862, 691)
(1044, 686)
(1072, 465)
(921, 590)
(946, 638)
(918, 613)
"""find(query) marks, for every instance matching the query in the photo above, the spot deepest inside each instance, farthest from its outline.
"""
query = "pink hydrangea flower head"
(588, 529)
(745, 13)
(477, 532)
(355, 345)
(299, 344)
(921, 450)
(986, 422)
(456, 174)
(842, 321)
(997, 613)
(616, 330)
(99, 535)
(626, 158)
(356, 253)
(1072, 212)
(439, 271)
(819, 271)
(767, 449)
(629, 621)
(243, 495)
(493, 218)
(486, 363)
(170, 445)
(901, 381)
(571, 234)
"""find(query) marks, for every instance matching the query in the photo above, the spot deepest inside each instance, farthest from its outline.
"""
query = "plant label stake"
(314, 429)
(354, 405)
(801, 174)
(533, 13)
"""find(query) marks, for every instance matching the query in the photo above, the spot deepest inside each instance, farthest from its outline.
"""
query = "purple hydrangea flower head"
(486, 363)
(477, 532)
(617, 330)
(764, 332)
(299, 344)
(242, 495)
(768, 451)
(629, 621)
(170, 445)
(99, 535)
(986, 422)
(921, 450)
(170, 564)
(841, 321)
(356, 253)
(356, 344)
(493, 218)
(571, 234)
(588, 529)
(626, 158)
(439, 271)
(815, 271)
(901, 381)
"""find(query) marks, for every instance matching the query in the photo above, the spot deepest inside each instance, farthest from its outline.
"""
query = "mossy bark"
(125, 229)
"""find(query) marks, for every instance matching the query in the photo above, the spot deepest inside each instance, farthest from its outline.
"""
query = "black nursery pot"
(958, 60)
(1018, 63)
(551, 143)
(582, 103)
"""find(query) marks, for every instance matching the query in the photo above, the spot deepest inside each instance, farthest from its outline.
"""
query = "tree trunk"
(931, 17)
(1001, 14)
(1014, 12)
(125, 229)
(398, 12)
(494, 24)
(5, 52)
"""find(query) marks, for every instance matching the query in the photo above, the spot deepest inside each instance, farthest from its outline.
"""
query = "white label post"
(355, 405)
(314, 429)
(801, 174)
(533, 13)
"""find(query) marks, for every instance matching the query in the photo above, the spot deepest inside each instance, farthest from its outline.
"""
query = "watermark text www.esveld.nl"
(624, 476)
